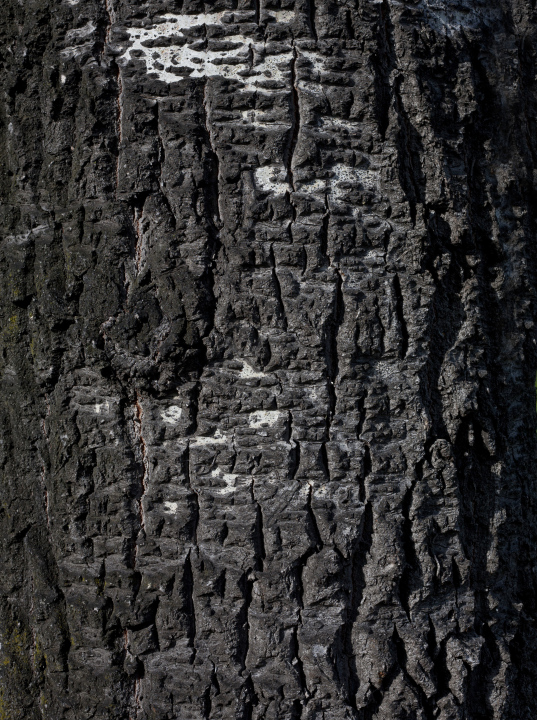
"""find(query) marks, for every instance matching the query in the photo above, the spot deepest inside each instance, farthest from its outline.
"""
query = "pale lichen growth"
(273, 179)
(261, 418)
(233, 56)
(171, 415)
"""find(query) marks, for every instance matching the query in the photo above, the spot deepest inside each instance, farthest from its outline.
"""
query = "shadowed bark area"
(267, 360)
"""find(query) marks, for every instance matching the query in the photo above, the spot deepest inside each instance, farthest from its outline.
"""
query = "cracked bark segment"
(267, 360)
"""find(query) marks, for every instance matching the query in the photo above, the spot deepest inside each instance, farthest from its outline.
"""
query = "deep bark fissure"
(189, 606)
(196, 514)
(311, 18)
(411, 563)
(119, 88)
(323, 240)
(358, 561)
(295, 449)
(137, 220)
(399, 309)
(315, 534)
(246, 585)
(384, 62)
(377, 695)
(247, 701)
(444, 326)
(410, 148)
(297, 662)
(260, 552)
(401, 653)
(138, 421)
(295, 120)
(211, 188)
(438, 654)
(161, 161)
(278, 289)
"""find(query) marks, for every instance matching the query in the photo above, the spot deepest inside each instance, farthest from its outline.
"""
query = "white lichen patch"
(315, 393)
(233, 56)
(282, 16)
(374, 258)
(263, 120)
(333, 123)
(315, 59)
(171, 415)
(386, 369)
(229, 479)
(101, 407)
(273, 179)
(249, 372)
(319, 651)
(216, 439)
(24, 237)
(170, 507)
(343, 175)
(343, 178)
(262, 418)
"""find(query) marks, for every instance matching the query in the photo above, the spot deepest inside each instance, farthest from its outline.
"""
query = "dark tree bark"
(267, 360)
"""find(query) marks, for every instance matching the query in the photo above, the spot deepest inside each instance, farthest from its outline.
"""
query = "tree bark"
(267, 360)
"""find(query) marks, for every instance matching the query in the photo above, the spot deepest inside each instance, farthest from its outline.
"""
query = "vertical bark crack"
(311, 18)
(384, 62)
(358, 562)
(216, 160)
(44, 470)
(260, 552)
(211, 186)
(332, 354)
(119, 82)
(138, 429)
(324, 232)
(295, 450)
(246, 585)
(189, 606)
(295, 122)
(315, 533)
(138, 212)
(297, 662)
(408, 140)
(196, 518)
(411, 562)
(278, 288)
(426, 704)
(138, 695)
(438, 654)
(161, 161)
(399, 309)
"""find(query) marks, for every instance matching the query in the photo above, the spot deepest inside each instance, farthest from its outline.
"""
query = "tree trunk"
(267, 360)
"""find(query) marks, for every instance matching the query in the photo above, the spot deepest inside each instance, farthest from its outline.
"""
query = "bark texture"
(267, 357)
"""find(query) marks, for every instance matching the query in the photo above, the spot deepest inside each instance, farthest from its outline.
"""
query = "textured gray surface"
(267, 353)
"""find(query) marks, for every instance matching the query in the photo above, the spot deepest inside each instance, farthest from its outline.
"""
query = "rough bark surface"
(267, 352)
